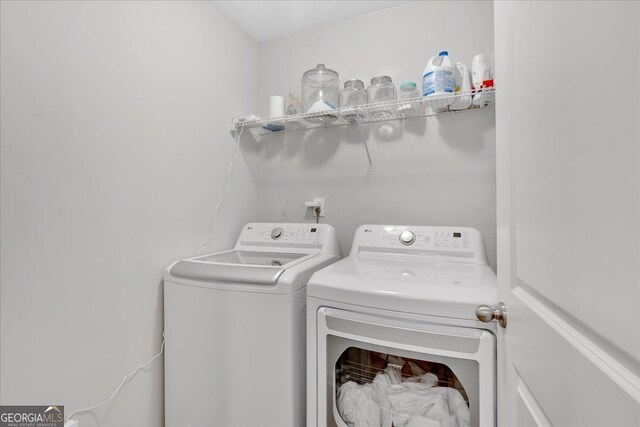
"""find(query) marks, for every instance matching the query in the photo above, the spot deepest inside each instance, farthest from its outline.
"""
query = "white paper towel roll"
(276, 106)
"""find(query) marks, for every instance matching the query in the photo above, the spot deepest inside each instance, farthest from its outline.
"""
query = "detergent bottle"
(480, 73)
(463, 85)
(438, 76)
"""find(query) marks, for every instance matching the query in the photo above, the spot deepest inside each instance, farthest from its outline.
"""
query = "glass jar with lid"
(409, 90)
(381, 89)
(353, 93)
(320, 89)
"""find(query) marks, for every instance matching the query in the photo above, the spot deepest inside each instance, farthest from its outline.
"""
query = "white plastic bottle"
(463, 84)
(479, 73)
(438, 76)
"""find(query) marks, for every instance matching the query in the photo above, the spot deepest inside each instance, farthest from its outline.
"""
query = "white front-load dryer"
(235, 328)
(393, 338)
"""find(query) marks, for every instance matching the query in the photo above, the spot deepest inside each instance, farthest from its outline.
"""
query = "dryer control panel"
(456, 243)
(283, 234)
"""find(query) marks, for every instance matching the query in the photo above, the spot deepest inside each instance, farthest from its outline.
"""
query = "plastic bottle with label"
(463, 85)
(480, 73)
(438, 76)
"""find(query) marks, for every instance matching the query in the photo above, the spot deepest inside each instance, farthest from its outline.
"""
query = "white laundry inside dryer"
(376, 389)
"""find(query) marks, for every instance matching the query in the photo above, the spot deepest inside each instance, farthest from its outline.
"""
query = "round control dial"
(407, 238)
(277, 233)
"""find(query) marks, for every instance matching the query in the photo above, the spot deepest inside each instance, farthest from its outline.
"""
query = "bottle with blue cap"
(438, 76)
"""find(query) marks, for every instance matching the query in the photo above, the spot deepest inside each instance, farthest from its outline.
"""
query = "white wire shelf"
(400, 109)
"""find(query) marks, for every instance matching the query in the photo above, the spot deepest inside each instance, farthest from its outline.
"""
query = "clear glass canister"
(353, 93)
(381, 89)
(410, 90)
(320, 89)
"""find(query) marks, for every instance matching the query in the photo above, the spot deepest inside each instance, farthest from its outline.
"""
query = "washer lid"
(248, 257)
(245, 266)
(447, 289)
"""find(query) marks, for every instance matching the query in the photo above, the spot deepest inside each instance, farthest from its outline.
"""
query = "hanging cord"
(122, 383)
(207, 240)
(366, 145)
(285, 211)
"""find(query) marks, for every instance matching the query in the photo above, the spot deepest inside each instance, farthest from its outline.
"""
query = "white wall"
(439, 171)
(114, 151)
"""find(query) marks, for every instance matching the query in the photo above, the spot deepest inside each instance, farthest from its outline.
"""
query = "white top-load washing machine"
(393, 337)
(235, 328)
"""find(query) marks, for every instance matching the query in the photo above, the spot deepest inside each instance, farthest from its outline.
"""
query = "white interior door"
(568, 114)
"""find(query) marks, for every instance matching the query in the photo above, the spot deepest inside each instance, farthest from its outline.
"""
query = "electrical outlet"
(317, 202)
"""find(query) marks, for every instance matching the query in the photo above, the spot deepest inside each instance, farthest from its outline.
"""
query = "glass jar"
(320, 89)
(353, 93)
(410, 90)
(381, 90)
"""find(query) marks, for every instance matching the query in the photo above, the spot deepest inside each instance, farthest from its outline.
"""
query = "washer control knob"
(277, 233)
(407, 238)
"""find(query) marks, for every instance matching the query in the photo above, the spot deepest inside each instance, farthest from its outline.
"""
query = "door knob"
(486, 314)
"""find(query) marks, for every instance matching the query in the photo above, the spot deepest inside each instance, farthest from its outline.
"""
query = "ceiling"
(267, 20)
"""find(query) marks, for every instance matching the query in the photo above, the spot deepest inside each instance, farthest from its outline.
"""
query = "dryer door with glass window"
(387, 372)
